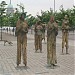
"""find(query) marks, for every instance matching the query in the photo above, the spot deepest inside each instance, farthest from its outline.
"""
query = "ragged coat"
(21, 33)
(52, 31)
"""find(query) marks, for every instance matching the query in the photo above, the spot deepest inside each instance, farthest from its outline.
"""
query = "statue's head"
(52, 19)
(38, 21)
(65, 17)
(22, 17)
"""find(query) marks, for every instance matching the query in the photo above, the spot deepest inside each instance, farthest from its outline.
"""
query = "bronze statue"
(38, 36)
(21, 33)
(52, 31)
(65, 33)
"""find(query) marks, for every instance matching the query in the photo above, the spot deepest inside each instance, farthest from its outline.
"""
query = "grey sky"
(34, 6)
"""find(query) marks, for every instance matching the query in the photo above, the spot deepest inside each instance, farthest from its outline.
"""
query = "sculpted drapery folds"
(21, 33)
(52, 31)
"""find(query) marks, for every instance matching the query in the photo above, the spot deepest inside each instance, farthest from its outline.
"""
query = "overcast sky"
(34, 6)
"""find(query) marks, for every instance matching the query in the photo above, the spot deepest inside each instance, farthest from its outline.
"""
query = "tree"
(31, 21)
(2, 12)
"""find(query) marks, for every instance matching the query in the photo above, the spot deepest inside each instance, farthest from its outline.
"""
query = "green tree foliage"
(31, 21)
(44, 17)
(2, 12)
(13, 20)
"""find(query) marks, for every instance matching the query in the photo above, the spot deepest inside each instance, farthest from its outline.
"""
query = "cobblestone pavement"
(36, 62)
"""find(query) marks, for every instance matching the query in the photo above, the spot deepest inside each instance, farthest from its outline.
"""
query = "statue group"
(52, 32)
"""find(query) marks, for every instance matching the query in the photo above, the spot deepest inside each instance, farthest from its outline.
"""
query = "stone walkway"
(36, 62)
